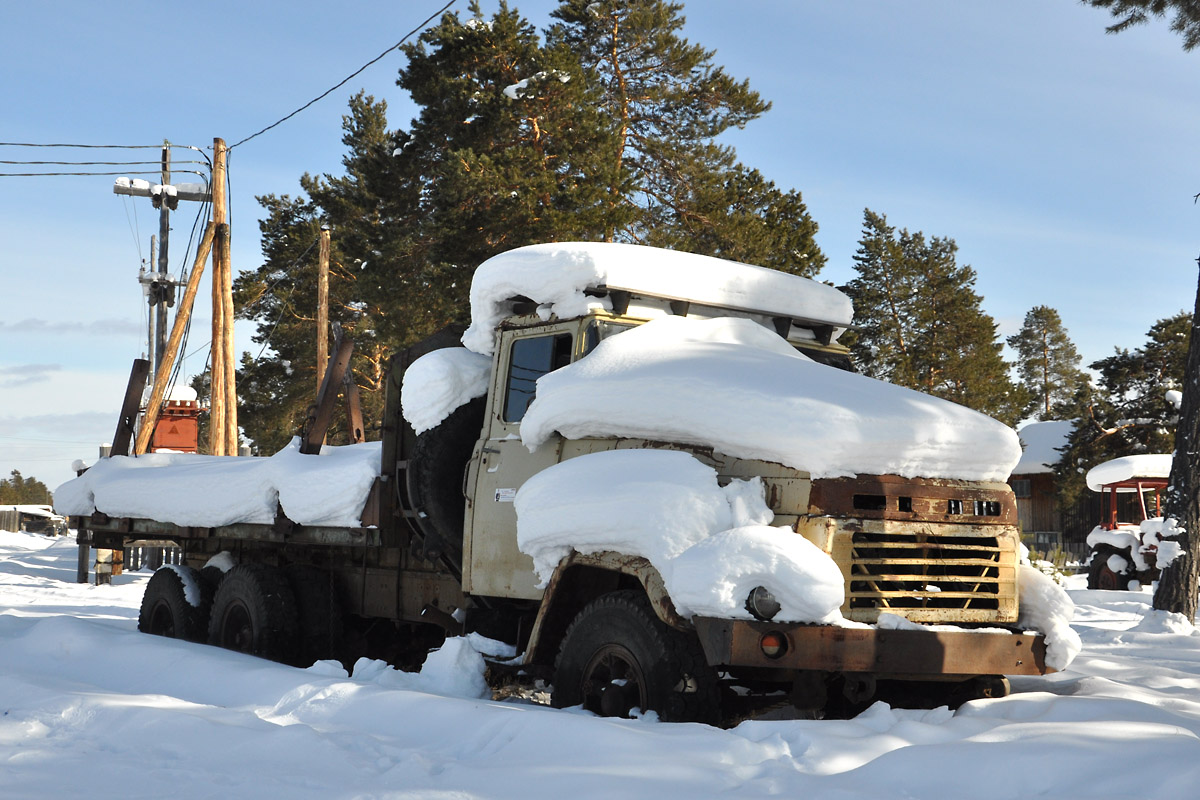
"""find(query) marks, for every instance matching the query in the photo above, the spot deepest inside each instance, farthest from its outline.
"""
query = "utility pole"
(216, 363)
(322, 305)
(164, 266)
(160, 286)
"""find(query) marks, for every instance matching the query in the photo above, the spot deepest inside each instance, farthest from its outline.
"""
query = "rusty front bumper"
(738, 643)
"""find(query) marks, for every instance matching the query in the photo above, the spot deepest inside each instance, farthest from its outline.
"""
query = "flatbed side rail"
(106, 530)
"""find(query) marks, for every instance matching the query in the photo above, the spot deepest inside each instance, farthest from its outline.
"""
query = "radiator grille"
(904, 571)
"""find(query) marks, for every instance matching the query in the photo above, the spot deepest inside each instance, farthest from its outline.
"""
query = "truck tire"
(318, 613)
(617, 657)
(165, 610)
(1100, 576)
(435, 475)
(254, 612)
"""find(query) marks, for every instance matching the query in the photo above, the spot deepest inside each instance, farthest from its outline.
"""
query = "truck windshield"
(598, 330)
(529, 360)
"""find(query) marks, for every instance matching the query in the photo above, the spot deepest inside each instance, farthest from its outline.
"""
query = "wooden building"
(1032, 481)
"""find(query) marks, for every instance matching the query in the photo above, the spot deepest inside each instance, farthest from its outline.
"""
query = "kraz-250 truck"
(436, 548)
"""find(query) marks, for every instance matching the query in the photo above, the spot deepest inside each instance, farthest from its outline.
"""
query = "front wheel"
(617, 657)
(1101, 576)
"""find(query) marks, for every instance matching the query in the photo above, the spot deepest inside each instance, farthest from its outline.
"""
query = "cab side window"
(529, 360)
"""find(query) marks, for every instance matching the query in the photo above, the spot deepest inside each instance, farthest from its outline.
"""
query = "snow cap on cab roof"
(558, 274)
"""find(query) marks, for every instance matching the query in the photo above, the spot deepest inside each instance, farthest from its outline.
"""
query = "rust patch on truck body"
(930, 550)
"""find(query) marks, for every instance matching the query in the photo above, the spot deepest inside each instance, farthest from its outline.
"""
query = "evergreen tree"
(19, 490)
(516, 141)
(669, 103)
(1128, 13)
(1128, 412)
(1048, 364)
(1177, 587)
(922, 324)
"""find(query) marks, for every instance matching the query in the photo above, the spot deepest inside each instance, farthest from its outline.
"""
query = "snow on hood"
(556, 275)
(735, 386)
(208, 491)
(712, 544)
(1157, 465)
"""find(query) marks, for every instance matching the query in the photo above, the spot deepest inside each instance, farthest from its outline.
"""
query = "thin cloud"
(96, 327)
(25, 374)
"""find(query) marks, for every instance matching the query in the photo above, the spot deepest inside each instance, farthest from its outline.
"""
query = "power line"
(97, 146)
(97, 163)
(126, 172)
(349, 77)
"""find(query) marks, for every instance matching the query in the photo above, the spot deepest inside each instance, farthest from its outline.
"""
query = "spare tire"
(435, 478)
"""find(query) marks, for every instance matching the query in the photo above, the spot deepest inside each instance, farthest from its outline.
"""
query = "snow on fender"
(711, 544)
(714, 577)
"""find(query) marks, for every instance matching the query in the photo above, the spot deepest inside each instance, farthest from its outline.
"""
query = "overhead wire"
(349, 77)
(98, 163)
(85, 174)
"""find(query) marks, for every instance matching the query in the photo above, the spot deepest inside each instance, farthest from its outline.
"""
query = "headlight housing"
(762, 604)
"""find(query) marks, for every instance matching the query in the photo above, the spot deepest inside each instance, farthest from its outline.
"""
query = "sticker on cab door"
(505, 495)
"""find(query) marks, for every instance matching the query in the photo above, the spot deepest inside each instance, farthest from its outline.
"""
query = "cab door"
(493, 565)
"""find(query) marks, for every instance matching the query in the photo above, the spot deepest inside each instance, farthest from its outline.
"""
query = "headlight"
(762, 604)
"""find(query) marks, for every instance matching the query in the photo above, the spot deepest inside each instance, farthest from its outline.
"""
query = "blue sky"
(1060, 159)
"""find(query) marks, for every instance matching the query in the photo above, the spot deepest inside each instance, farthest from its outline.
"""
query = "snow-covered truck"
(653, 474)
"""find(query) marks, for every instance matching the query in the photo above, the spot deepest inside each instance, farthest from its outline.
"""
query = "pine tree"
(1128, 412)
(1177, 588)
(1128, 13)
(19, 490)
(922, 324)
(670, 103)
(1048, 363)
(516, 141)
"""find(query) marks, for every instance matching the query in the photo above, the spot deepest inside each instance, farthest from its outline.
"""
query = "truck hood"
(735, 386)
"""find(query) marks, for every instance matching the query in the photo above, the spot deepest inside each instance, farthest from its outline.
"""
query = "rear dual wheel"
(165, 609)
(254, 612)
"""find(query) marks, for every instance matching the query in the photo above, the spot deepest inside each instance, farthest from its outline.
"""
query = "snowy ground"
(90, 707)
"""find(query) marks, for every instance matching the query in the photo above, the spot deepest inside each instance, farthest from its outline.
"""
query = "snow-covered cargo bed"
(210, 491)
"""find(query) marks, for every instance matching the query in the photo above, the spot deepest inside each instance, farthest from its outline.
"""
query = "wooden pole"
(321, 414)
(129, 408)
(217, 426)
(173, 341)
(231, 410)
(322, 306)
(353, 408)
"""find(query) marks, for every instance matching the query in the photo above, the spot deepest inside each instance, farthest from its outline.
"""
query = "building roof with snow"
(1040, 442)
